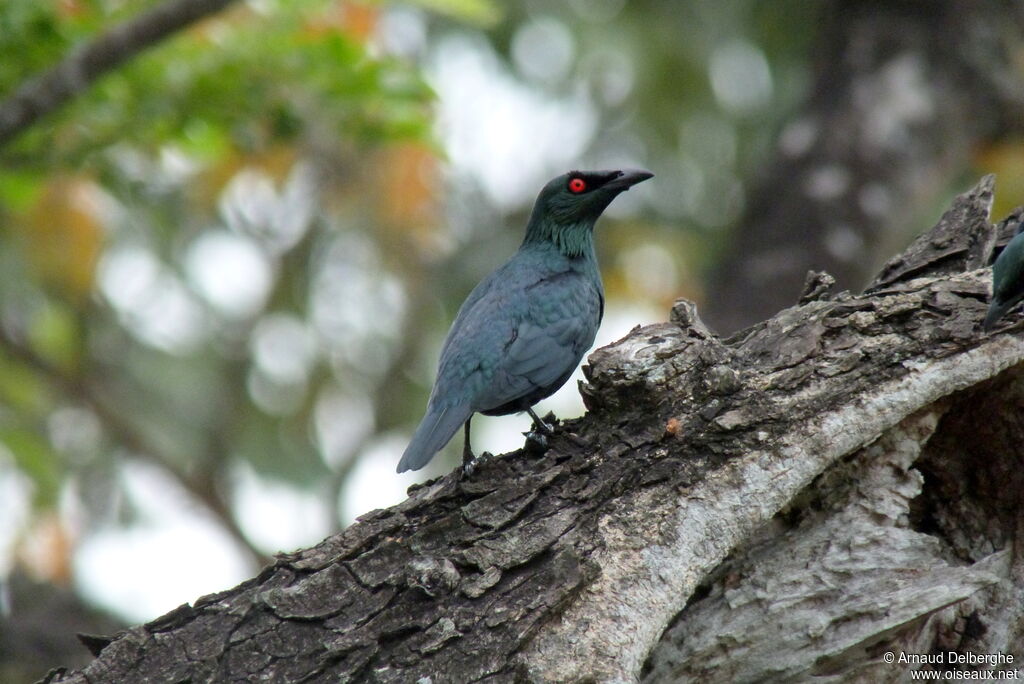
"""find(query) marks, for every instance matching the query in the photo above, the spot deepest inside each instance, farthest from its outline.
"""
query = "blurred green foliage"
(285, 137)
(140, 167)
(242, 79)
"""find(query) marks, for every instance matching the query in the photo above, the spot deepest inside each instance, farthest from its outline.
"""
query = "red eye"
(577, 185)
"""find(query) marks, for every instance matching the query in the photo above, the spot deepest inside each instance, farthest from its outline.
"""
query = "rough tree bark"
(836, 482)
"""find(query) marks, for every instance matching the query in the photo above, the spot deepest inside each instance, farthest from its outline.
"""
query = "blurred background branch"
(117, 420)
(904, 95)
(43, 94)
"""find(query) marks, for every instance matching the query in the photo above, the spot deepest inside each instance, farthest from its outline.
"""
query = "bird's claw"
(545, 425)
(469, 465)
(543, 428)
(537, 437)
(536, 441)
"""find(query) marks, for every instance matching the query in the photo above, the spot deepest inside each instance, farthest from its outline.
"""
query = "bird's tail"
(434, 431)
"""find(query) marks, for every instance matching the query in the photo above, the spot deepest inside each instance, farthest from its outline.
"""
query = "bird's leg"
(539, 424)
(467, 450)
(537, 438)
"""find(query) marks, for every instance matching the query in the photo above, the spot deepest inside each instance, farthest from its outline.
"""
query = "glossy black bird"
(1007, 279)
(523, 330)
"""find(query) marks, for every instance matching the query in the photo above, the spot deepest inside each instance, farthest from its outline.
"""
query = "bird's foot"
(470, 464)
(544, 425)
(537, 437)
(536, 442)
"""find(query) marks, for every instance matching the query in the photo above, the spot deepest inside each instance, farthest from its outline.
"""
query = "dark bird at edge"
(1007, 279)
(523, 330)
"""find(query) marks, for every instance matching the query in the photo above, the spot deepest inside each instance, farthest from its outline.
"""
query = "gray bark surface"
(836, 482)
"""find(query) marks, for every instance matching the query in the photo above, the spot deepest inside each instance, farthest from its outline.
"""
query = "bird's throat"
(572, 240)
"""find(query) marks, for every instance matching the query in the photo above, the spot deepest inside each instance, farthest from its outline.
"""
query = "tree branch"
(203, 488)
(47, 92)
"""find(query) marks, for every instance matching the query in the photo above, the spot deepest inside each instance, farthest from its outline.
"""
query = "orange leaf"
(63, 236)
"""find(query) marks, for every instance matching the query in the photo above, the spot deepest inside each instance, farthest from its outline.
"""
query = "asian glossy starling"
(523, 330)
(1007, 279)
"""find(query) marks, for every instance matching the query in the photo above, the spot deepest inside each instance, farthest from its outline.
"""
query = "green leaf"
(53, 332)
(269, 78)
(20, 387)
(36, 459)
(20, 190)
(479, 12)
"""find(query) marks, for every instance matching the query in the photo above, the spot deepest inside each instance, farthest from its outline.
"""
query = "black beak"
(627, 179)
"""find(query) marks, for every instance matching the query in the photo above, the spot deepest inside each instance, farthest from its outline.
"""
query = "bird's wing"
(543, 354)
(547, 340)
(516, 334)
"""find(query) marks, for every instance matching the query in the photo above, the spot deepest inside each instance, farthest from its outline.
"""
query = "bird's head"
(570, 204)
(581, 195)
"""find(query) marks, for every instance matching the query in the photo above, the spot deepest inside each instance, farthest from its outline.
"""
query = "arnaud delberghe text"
(954, 658)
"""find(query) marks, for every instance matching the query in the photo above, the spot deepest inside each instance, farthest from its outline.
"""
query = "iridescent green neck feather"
(571, 239)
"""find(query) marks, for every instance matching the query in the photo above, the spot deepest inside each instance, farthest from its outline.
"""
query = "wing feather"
(517, 338)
